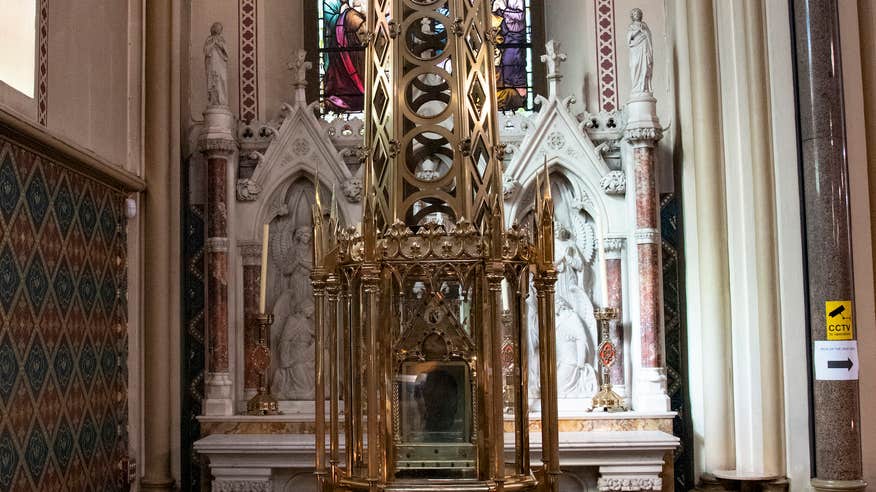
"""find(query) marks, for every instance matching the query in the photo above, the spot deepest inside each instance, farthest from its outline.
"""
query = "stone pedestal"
(260, 462)
(217, 143)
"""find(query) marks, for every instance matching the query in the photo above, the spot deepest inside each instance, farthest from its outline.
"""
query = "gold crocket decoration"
(416, 308)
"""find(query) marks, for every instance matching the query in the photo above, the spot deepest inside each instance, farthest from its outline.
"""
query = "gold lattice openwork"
(431, 132)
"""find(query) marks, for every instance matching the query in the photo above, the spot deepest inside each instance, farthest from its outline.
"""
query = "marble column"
(251, 254)
(642, 134)
(614, 250)
(217, 144)
(824, 177)
(161, 282)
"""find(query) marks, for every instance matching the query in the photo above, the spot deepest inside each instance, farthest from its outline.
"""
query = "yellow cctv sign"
(838, 319)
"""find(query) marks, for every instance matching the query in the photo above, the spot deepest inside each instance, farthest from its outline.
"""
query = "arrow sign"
(836, 360)
(840, 364)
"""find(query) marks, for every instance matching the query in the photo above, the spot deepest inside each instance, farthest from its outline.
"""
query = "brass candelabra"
(606, 400)
(263, 403)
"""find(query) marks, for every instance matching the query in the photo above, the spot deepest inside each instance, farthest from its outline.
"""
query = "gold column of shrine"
(413, 306)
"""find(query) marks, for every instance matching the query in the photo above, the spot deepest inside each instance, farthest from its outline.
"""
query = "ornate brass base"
(607, 400)
(263, 403)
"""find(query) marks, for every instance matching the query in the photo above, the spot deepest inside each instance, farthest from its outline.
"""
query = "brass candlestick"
(263, 403)
(606, 400)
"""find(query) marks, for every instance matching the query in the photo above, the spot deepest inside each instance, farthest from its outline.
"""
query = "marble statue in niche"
(216, 67)
(292, 334)
(641, 54)
(293, 378)
(575, 254)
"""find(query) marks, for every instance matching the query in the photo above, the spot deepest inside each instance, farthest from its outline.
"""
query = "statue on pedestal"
(216, 67)
(641, 54)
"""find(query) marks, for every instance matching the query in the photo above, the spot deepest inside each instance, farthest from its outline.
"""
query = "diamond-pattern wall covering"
(194, 292)
(676, 335)
(63, 336)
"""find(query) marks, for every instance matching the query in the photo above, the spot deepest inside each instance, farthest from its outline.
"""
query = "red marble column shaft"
(217, 263)
(648, 239)
(616, 332)
(251, 277)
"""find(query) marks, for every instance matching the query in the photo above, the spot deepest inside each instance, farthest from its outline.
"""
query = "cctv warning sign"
(839, 321)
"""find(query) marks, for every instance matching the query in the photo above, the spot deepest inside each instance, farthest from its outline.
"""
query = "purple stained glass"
(513, 76)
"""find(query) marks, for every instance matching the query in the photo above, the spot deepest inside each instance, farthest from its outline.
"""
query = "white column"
(751, 237)
(705, 236)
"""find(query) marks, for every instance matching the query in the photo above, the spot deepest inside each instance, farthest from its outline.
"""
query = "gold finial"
(538, 204)
(547, 180)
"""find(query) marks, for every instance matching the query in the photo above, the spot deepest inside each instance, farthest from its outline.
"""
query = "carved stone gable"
(300, 145)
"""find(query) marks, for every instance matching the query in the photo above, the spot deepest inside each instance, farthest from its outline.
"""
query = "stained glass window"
(512, 19)
(342, 67)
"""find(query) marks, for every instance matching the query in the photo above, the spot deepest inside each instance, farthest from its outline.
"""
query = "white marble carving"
(247, 190)
(510, 187)
(241, 486)
(216, 67)
(352, 189)
(575, 324)
(614, 183)
(293, 332)
(575, 252)
(299, 67)
(641, 54)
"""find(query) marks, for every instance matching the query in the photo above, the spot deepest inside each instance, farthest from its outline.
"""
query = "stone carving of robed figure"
(216, 66)
(641, 54)
(293, 334)
(293, 378)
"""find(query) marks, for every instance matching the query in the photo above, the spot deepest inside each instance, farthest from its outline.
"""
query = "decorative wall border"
(606, 56)
(43, 62)
(248, 68)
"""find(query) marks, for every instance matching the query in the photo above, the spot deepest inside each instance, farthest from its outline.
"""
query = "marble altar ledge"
(626, 460)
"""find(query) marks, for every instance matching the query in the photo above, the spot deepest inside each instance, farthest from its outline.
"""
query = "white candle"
(603, 271)
(263, 279)
(505, 301)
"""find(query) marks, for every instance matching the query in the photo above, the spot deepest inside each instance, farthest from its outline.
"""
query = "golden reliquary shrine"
(437, 293)
(411, 305)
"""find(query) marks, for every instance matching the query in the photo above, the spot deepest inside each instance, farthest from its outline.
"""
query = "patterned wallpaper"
(194, 350)
(63, 327)
(675, 334)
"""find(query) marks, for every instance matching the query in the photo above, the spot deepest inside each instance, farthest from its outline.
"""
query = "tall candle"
(263, 279)
(603, 270)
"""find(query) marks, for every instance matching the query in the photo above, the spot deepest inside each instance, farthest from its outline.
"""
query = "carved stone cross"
(553, 58)
(299, 67)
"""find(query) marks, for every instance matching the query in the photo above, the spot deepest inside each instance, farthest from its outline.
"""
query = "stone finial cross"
(299, 67)
(553, 58)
